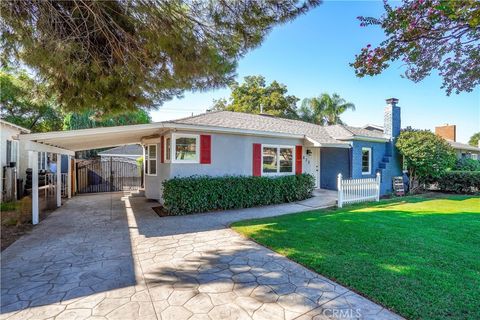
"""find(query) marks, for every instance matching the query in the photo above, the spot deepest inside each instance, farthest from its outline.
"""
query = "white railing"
(357, 190)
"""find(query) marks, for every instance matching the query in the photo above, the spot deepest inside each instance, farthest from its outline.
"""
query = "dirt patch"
(16, 220)
(160, 210)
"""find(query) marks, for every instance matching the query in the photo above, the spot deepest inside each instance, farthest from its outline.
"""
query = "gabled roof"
(19, 128)
(130, 150)
(323, 135)
(371, 126)
(462, 146)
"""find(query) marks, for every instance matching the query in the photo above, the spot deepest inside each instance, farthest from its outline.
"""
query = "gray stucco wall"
(153, 183)
(231, 155)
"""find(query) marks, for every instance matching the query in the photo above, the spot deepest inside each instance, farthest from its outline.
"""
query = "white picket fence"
(357, 190)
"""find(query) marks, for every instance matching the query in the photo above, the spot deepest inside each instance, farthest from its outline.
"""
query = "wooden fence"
(358, 190)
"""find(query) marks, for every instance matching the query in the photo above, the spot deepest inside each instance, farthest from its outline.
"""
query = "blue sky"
(311, 55)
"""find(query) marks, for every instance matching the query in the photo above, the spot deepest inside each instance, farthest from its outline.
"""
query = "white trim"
(35, 146)
(278, 147)
(165, 148)
(17, 127)
(173, 149)
(147, 157)
(369, 149)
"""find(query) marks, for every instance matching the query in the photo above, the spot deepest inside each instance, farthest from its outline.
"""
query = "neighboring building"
(10, 157)
(463, 150)
(131, 152)
(230, 143)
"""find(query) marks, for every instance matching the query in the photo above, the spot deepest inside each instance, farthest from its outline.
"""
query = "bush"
(466, 164)
(460, 181)
(204, 193)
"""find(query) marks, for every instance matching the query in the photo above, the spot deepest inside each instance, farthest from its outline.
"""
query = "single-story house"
(128, 152)
(229, 143)
(462, 150)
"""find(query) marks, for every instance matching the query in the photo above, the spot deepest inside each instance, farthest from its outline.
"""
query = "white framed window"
(366, 160)
(151, 160)
(277, 159)
(185, 148)
(474, 156)
(12, 152)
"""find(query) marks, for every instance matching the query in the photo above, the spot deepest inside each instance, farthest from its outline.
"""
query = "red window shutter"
(257, 159)
(162, 149)
(298, 159)
(205, 149)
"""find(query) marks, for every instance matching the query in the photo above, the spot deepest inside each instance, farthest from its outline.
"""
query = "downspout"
(350, 161)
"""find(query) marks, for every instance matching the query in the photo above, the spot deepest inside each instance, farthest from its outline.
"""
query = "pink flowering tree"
(427, 35)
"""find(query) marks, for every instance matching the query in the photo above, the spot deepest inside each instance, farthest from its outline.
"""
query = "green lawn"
(419, 257)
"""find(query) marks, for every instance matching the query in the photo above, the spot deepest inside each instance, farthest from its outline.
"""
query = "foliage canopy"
(325, 109)
(119, 55)
(254, 94)
(426, 155)
(427, 35)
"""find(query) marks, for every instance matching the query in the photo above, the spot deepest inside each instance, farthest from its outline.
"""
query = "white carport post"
(33, 155)
(58, 187)
(69, 177)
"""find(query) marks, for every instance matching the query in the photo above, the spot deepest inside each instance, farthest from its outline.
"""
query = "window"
(151, 160)
(168, 148)
(42, 160)
(186, 148)
(277, 160)
(474, 156)
(366, 160)
(286, 160)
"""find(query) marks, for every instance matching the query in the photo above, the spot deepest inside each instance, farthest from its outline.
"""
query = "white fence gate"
(358, 190)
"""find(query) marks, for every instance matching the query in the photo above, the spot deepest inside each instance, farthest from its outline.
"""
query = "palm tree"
(325, 109)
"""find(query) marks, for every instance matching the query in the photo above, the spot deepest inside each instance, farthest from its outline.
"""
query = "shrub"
(460, 181)
(204, 193)
(466, 164)
(426, 156)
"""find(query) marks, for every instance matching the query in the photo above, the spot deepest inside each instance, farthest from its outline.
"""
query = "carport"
(67, 142)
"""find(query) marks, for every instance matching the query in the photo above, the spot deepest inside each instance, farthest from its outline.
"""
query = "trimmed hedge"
(204, 193)
(460, 181)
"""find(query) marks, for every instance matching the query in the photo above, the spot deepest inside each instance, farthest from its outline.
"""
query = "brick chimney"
(392, 120)
(447, 132)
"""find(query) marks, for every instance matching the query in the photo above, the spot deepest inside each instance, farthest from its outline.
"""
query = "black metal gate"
(107, 175)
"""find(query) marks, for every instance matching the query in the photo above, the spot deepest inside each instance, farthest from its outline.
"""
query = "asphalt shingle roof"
(237, 120)
(130, 149)
(462, 146)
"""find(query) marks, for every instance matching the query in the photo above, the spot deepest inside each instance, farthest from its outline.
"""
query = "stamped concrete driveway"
(109, 256)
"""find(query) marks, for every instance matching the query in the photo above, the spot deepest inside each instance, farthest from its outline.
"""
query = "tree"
(427, 35)
(91, 119)
(254, 96)
(425, 155)
(119, 55)
(473, 141)
(325, 109)
(27, 103)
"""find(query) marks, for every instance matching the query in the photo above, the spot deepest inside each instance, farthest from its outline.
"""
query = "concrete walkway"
(109, 256)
